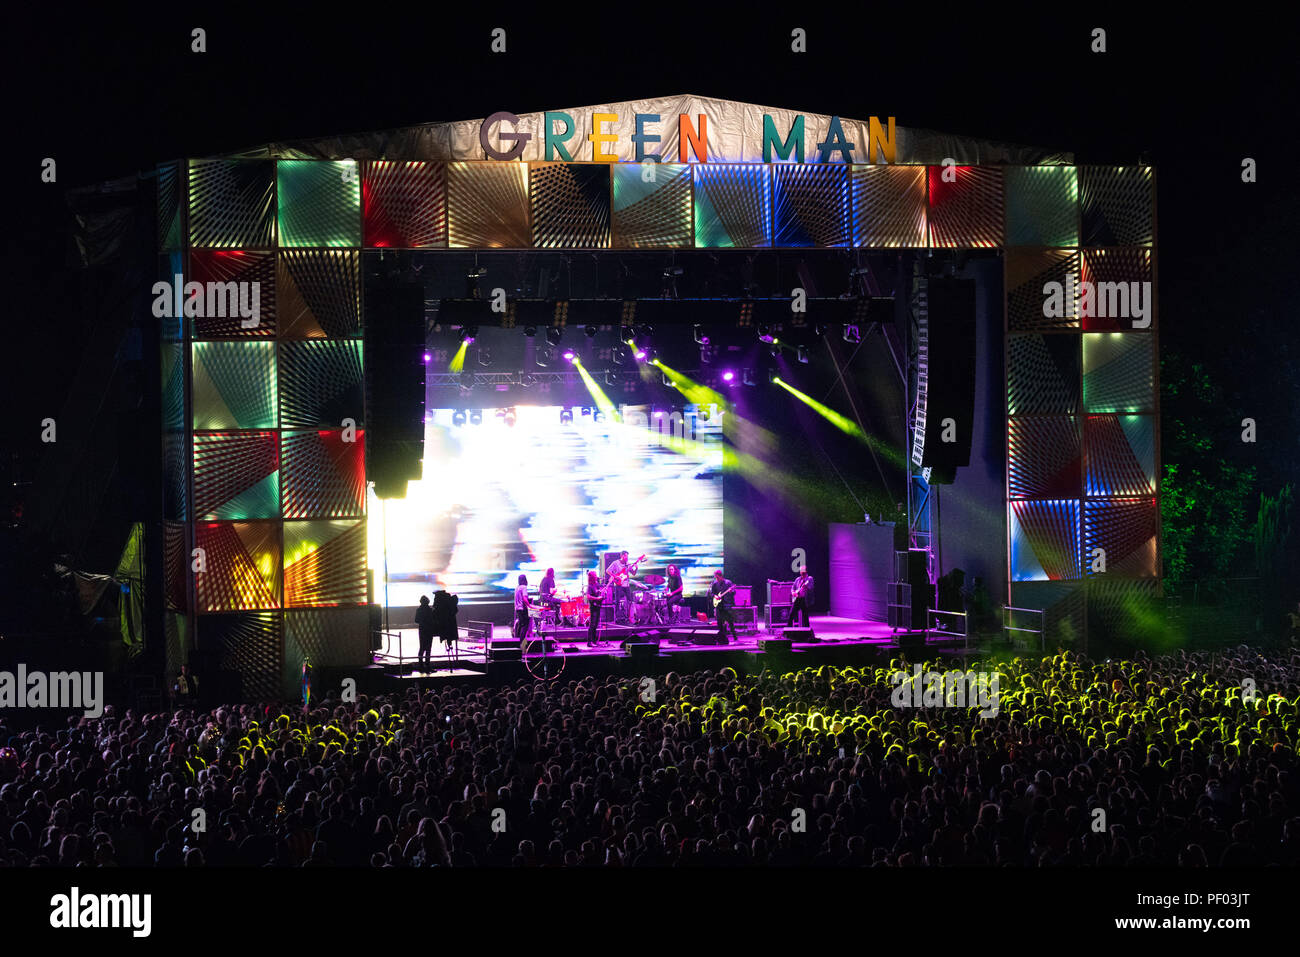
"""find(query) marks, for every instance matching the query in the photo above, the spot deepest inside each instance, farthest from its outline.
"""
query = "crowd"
(1187, 759)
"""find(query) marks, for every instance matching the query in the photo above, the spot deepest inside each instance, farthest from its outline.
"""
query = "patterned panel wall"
(652, 206)
(733, 205)
(1083, 422)
(811, 205)
(889, 206)
(265, 421)
(487, 205)
(569, 205)
(405, 204)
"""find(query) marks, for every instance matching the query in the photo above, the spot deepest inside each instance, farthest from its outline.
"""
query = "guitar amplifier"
(780, 593)
(778, 616)
(744, 596)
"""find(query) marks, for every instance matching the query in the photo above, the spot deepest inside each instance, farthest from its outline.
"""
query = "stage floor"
(402, 644)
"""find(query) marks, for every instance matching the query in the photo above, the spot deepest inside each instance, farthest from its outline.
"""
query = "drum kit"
(649, 607)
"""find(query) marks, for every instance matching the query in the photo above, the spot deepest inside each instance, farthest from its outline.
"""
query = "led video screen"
(520, 490)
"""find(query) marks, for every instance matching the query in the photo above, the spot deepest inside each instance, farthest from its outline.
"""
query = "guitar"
(624, 578)
(717, 599)
(800, 590)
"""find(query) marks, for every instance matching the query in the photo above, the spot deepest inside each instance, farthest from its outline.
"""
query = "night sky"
(110, 92)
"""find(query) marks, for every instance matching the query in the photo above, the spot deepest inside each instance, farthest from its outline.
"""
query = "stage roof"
(735, 134)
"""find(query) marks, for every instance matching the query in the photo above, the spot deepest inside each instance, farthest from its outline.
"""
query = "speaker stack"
(393, 337)
(950, 383)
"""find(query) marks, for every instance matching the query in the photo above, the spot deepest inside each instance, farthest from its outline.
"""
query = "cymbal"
(653, 579)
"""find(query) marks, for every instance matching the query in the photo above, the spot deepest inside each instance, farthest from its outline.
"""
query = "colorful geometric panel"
(177, 640)
(1118, 372)
(322, 476)
(1063, 604)
(241, 565)
(232, 203)
(1121, 291)
(1122, 611)
(324, 563)
(810, 205)
(176, 565)
(654, 214)
(169, 207)
(1120, 454)
(320, 203)
(570, 205)
(176, 475)
(239, 293)
(1126, 530)
(1045, 540)
(1043, 375)
(173, 386)
(405, 204)
(1118, 205)
(965, 207)
(888, 206)
(236, 475)
(320, 384)
(249, 645)
(234, 385)
(328, 637)
(1042, 206)
(170, 266)
(1043, 457)
(318, 293)
(487, 206)
(1028, 273)
(732, 206)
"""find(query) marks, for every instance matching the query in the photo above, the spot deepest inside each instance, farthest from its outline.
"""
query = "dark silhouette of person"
(425, 621)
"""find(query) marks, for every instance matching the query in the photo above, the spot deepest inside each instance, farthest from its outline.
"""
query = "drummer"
(546, 592)
(672, 596)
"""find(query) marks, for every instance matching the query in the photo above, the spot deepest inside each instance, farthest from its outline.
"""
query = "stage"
(685, 646)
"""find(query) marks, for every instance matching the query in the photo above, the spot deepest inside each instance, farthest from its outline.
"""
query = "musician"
(622, 593)
(725, 591)
(802, 595)
(521, 609)
(546, 593)
(672, 591)
(595, 596)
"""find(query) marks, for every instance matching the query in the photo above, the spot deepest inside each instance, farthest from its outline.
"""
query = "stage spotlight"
(772, 376)
(527, 379)
(802, 354)
(668, 381)
(728, 376)
(645, 331)
(545, 356)
(458, 418)
(701, 337)
(509, 418)
(775, 351)
(566, 417)
(852, 333)
(658, 413)
(749, 377)
(476, 417)
(586, 411)
(484, 356)
(467, 333)
(598, 416)
(819, 329)
(765, 332)
(590, 331)
(428, 357)
(554, 334)
(611, 378)
(621, 354)
(530, 331)
(471, 281)
(570, 355)
(467, 381)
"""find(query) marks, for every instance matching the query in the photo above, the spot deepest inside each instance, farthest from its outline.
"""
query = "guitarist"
(620, 574)
(802, 598)
(723, 600)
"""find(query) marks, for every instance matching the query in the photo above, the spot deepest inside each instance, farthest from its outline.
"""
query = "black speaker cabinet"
(801, 635)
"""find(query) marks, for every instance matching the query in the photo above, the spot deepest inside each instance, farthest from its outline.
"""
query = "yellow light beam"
(458, 360)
